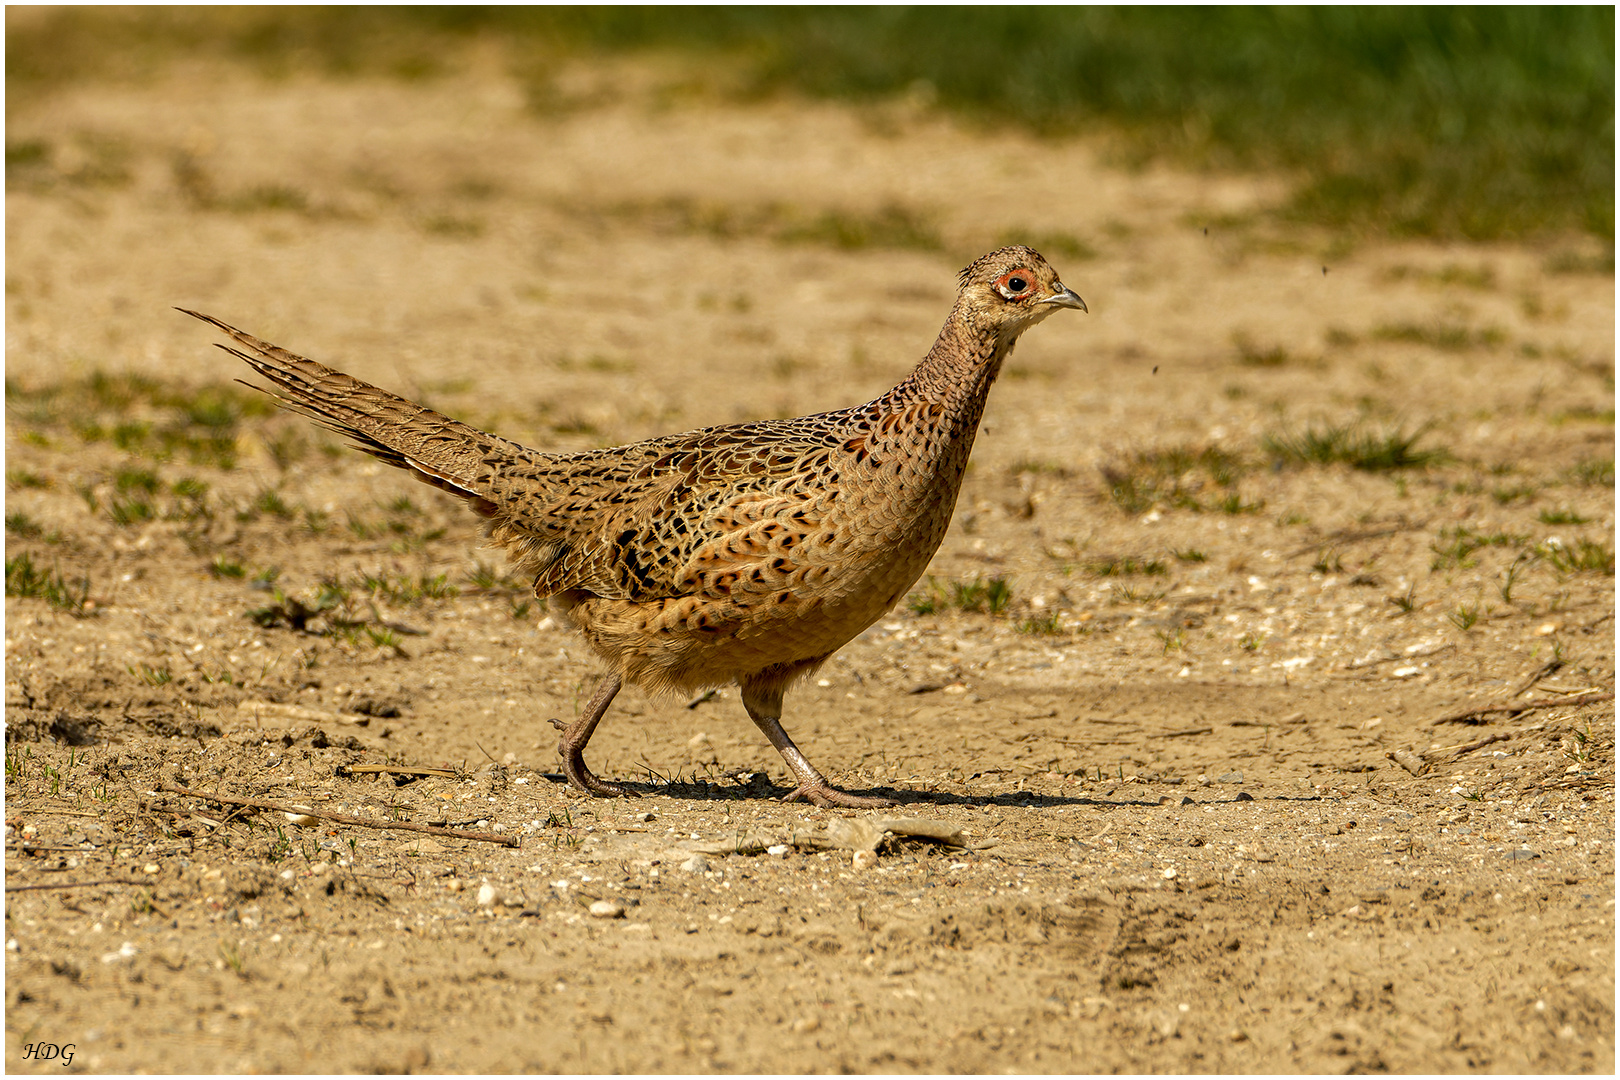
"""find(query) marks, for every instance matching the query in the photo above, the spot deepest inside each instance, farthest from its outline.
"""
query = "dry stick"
(1178, 734)
(73, 885)
(1500, 736)
(26, 846)
(1537, 675)
(1526, 706)
(1397, 659)
(342, 819)
(400, 770)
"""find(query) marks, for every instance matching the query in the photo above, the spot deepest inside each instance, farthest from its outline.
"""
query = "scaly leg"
(765, 709)
(577, 734)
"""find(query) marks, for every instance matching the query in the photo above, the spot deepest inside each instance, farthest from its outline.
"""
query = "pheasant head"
(1009, 290)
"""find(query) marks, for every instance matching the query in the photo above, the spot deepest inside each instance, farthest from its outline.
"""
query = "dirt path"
(1209, 819)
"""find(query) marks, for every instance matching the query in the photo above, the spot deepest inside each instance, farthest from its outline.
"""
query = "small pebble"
(150, 868)
(697, 864)
(805, 1024)
(487, 895)
(455, 885)
(864, 859)
(125, 951)
(607, 909)
(1168, 873)
(1233, 777)
(777, 850)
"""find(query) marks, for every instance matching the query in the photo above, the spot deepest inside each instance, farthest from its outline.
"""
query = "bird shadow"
(757, 788)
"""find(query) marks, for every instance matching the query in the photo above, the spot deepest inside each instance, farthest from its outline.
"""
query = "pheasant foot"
(822, 793)
(574, 737)
(763, 708)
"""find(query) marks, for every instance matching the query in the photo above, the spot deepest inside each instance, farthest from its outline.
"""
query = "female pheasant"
(747, 553)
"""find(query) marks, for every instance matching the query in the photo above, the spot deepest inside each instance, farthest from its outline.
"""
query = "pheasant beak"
(1065, 297)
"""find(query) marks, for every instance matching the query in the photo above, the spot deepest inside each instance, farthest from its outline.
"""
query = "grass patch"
(979, 596)
(346, 612)
(1464, 617)
(23, 527)
(453, 226)
(1448, 337)
(1593, 472)
(1127, 566)
(1047, 625)
(1431, 121)
(1355, 445)
(1053, 245)
(1481, 276)
(1577, 262)
(22, 479)
(1176, 477)
(1406, 603)
(403, 589)
(1253, 355)
(226, 567)
(150, 675)
(142, 416)
(1582, 557)
(1038, 467)
(1131, 594)
(888, 226)
(24, 579)
(1455, 547)
(1582, 414)
(1561, 517)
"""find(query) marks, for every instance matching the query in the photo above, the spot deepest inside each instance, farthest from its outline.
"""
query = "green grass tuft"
(1455, 547)
(24, 579)
(1448, 337)
(1582, 557)
(1126, 566)
(1354, 445)
(979, 596)
(1176, 477)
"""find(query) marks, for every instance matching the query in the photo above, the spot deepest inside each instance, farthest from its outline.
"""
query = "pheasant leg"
(577, 734)
(813, 787)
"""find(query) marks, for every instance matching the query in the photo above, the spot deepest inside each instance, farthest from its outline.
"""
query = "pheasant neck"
(958, 370)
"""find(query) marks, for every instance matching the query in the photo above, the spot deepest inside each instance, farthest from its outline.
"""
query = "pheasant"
(746, 553)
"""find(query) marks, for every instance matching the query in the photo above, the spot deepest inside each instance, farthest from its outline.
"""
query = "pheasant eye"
(1015, 284)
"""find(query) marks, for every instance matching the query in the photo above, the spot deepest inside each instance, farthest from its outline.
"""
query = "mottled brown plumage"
(747, 553)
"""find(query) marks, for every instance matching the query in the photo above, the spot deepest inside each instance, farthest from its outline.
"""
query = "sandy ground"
(1209, 816)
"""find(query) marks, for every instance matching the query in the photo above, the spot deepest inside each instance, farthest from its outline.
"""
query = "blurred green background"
(1475, 123)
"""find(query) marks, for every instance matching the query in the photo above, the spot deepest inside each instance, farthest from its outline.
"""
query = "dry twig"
(343, 819)
(72, 885)
(396, 770)
(1471, 716)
